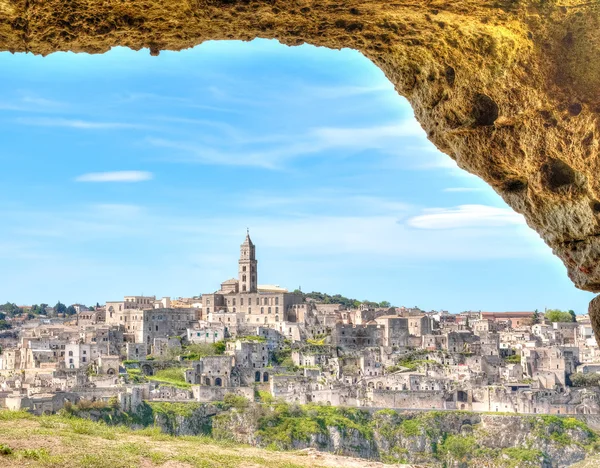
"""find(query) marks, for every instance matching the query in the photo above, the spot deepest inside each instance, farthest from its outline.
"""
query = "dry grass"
(55, 441)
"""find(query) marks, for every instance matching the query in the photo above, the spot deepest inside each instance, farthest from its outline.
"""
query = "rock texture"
(510, 89)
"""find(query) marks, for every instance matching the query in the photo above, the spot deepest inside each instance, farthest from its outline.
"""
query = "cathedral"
(241, 300)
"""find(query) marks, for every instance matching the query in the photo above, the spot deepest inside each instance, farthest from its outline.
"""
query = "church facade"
(241, 301)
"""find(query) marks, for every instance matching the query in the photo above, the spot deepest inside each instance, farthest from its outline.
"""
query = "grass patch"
(174, 376)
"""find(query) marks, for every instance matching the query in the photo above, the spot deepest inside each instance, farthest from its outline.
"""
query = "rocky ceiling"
(510, 89)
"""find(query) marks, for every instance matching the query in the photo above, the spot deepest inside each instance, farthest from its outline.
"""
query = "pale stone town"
(298, 349)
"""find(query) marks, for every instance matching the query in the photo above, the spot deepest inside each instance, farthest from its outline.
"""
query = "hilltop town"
(255, 341)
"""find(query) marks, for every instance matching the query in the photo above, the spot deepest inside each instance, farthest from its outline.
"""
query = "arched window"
(262, 310)
(218, 382)
(266, 377)
(257, 376)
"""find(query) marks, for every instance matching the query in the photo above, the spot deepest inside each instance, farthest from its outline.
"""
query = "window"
(244, 269)
(269, 310)
(234, 301)
(257, 301)
(276, 310)
(242, 299)
(276, 301)
(262, 310)
(249, 310)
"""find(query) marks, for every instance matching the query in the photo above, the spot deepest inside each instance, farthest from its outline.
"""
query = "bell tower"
(247, 266)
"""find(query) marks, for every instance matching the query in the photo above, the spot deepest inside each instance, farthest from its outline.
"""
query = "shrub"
(5, 449)
(231, 400)
(458, 448)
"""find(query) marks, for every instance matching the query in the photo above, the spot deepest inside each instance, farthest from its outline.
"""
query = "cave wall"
(510, 89)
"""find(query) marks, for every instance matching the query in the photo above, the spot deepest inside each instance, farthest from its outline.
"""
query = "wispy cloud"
(273, 151)
(75, 123)
(118, 176)
(462, 189)
(465, 216)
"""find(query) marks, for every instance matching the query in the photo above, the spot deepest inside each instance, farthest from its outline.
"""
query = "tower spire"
(247, 266)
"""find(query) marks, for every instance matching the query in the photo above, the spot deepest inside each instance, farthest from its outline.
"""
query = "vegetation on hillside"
(585, 380)
(339, 299)
(173, 376)
(70, 442)
(282, 426)
(556, 315)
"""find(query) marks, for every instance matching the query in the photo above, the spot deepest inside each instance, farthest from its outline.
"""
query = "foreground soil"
(54, 441)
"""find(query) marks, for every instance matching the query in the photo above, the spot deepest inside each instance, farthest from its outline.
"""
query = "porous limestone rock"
(510, 89)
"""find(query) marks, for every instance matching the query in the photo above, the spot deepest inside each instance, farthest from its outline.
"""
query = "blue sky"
(124, 174)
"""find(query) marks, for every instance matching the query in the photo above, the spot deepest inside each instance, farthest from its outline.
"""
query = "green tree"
(11, 309)
(60, 308)
(219, 347)
(584, 380)
(536, 317)
(573, 315)
(385, 304)
(71, 310)
(557, 315)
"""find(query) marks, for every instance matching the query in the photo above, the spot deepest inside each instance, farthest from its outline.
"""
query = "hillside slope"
(54, 441)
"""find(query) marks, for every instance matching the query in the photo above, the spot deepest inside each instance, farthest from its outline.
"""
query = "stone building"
(242, 296)
(143, 325)
(357, 336)
(396, 330)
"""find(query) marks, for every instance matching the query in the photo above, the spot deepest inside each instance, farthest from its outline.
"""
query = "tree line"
(10, 309)
(555, 315)
(339, 299)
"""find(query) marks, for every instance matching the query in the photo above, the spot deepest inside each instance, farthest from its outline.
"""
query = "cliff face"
(431, 438)
(507, 88)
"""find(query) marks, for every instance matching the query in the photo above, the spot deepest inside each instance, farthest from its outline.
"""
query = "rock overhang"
(510, 89)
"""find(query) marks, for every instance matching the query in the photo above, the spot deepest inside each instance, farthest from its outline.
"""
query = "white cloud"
(462, 189)
(118, 176)
(273, 151)
(465, 216)
(74, 123)
(367, 137)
